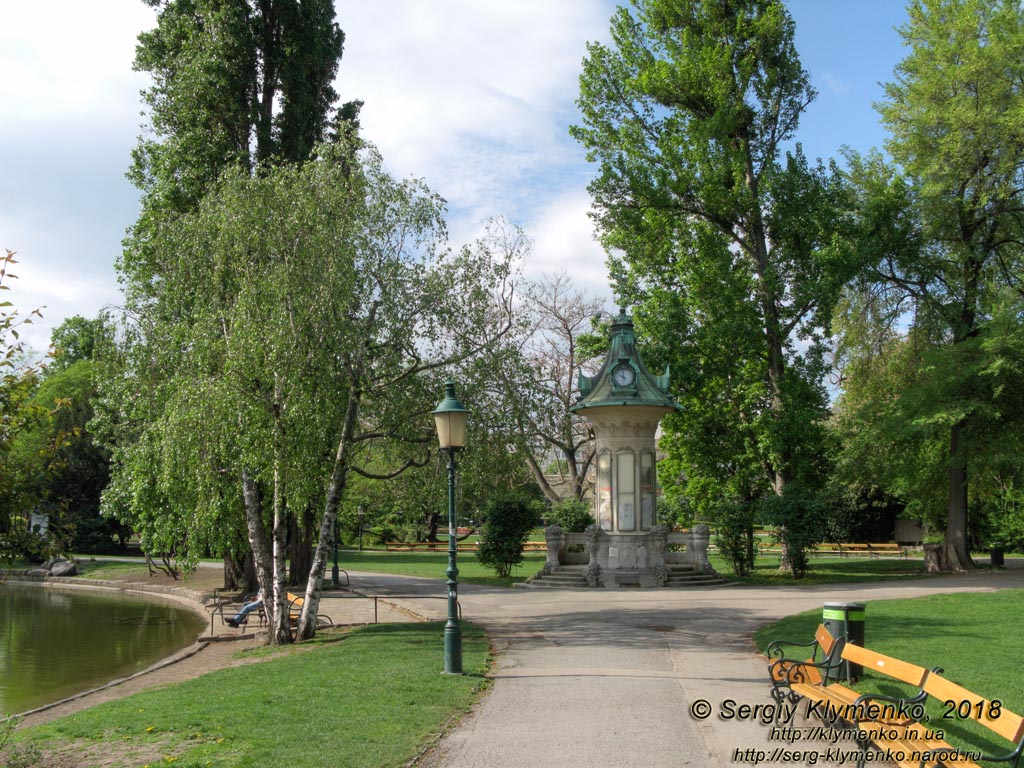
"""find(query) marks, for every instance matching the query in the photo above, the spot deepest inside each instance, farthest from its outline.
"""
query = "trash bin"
(845, 622)
(997, 554)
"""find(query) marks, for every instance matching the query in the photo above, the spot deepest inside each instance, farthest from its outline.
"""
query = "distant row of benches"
(463, 546)
(875, 549)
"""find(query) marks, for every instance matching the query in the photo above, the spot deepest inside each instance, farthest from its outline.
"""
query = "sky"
(474, 96)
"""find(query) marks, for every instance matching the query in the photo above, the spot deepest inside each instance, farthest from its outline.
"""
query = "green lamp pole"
(450, 418)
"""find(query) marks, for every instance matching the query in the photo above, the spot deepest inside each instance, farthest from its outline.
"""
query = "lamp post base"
(452, 649)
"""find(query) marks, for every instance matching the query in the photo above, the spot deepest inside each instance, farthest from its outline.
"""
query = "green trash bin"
(997, 555)
(845, 622)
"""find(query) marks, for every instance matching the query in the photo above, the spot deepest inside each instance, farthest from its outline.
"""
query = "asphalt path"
(608, 678)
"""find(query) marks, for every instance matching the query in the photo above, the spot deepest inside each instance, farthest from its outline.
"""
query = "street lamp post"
(450, 418)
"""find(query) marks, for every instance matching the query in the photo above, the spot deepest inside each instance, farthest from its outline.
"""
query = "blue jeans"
(246, 610)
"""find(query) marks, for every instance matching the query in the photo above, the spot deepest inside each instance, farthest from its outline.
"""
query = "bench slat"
(1008, 725)
(895, 668)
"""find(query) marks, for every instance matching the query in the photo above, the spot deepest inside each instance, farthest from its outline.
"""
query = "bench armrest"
(790, 669)
(775, 647)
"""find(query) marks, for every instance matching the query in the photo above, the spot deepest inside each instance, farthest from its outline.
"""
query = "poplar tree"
(719, 229)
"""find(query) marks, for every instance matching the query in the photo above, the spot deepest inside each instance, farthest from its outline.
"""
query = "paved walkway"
(604, 678)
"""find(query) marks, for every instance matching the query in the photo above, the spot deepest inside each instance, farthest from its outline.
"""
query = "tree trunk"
(433, 523)
(257, 536)
(335, 490)
(280, 629)
(934, 558)
(300, 547)
(240, 573)
(957, 558)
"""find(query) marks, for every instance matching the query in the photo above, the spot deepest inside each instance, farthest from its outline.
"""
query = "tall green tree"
(323, 306)
(19, 378)
(78, 338)
(239, 85)
(943, 226)
(730, 244)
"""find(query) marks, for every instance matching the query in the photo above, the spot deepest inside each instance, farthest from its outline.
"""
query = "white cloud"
(564, 240)
(834, 84)
(63, 59)
(475, 96)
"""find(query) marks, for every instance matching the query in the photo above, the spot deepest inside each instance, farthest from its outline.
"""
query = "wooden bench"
(226, 606)
(835, 702)
(895, 725)
(887, 548)
(432, 546)
(854, 549)
(442, 546)
(875, 549)
(928, 744)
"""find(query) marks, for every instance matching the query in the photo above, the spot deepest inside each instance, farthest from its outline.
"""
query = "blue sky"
(475, 96)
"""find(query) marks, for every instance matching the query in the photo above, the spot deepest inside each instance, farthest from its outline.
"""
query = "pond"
(55, 642)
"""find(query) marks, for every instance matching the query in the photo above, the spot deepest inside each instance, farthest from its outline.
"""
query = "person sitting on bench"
(246, 609)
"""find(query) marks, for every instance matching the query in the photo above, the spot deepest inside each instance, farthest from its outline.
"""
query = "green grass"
(373, 698)
(433, 565)
(825, 570)
(975, 638)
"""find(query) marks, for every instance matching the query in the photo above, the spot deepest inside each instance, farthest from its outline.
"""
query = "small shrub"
(799, 517)
(507, 527)
(573, 515)
(735, 522)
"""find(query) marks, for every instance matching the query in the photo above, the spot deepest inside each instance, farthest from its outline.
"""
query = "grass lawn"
(975, 638)
(425, 564)
(372, 697)
(826, 570)
(433, 564)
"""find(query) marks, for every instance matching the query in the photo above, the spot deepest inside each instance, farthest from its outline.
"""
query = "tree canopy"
(731, 244)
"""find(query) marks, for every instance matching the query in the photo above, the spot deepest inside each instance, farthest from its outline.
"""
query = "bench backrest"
(894, 668)
(1007, 724)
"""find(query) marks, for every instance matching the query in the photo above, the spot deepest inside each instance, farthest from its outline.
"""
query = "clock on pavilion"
(624, 403)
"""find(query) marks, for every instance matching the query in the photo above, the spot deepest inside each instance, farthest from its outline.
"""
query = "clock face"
(624, 376)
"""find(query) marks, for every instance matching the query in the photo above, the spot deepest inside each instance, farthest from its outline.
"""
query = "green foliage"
(76, 339)
(856, 514)
(19, 379)
(799, 516)
(232, 85)
(675, 509)
(732, 249)
(573, 515)
(58, 464)
(1002, 521)
(941, 227)
(509, 521)
(16, 755)
(734, 536)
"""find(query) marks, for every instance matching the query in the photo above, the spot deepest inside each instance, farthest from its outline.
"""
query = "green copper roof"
(624, 379)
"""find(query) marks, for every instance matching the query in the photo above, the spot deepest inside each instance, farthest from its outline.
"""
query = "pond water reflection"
(55, 642)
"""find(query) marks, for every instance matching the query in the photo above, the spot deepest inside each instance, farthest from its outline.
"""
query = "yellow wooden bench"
(928, 744)
(835, 702)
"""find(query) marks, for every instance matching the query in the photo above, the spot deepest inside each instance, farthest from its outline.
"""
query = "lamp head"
(450, 419)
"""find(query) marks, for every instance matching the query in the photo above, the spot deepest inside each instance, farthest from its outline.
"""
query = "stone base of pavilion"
(615, 560)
